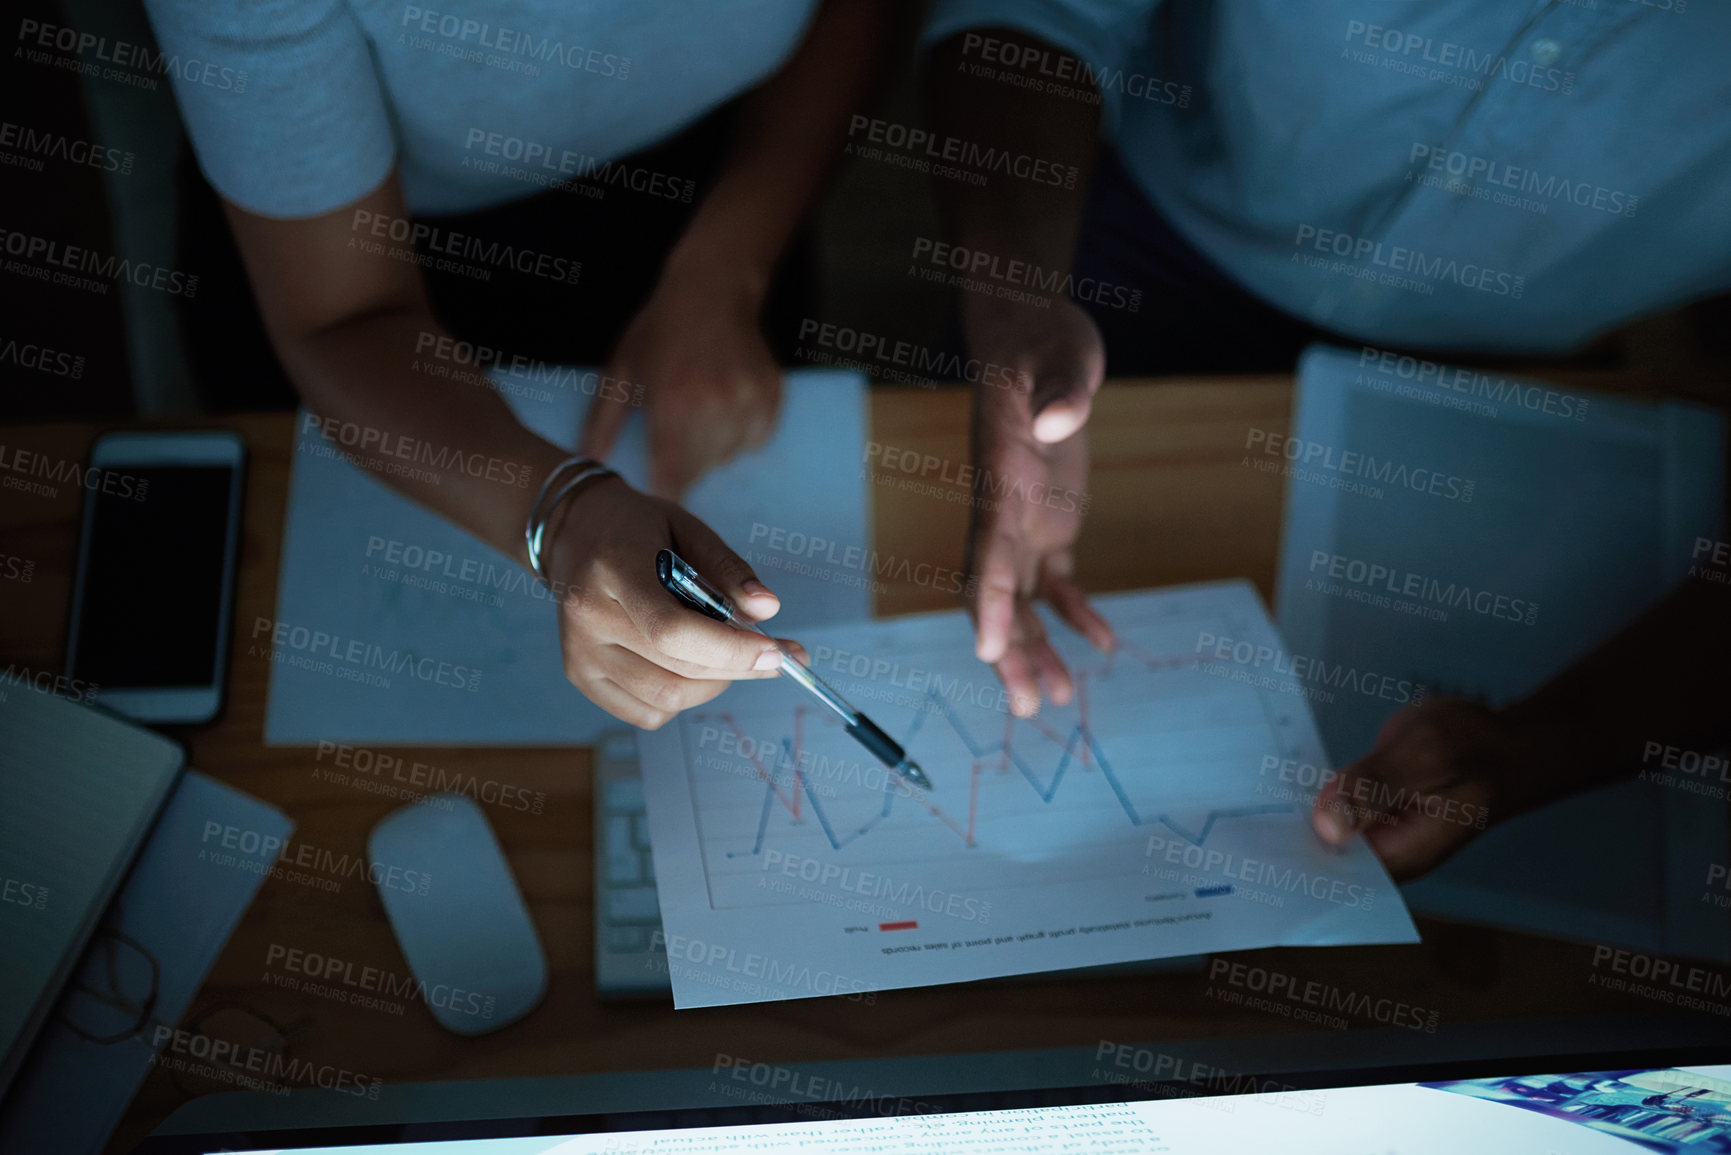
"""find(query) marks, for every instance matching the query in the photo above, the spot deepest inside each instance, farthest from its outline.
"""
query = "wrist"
(720, 272)
(568, 528)
(560, 488)
(1547, 759)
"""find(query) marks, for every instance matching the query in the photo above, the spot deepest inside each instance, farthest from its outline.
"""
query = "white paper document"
(1585, 511)
(362, 565)
(1601, 1113)
(1165, 811)
(1199, 1109)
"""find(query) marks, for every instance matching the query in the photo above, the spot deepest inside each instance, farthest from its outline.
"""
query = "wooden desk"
(1171, 503)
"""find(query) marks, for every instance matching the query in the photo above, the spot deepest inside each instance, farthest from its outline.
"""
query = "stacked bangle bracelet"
(565, 479)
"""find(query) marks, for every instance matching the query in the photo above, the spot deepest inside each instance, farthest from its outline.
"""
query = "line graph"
(1200, 838)
(1134, 821)
(1152, 745)
(1079, 748)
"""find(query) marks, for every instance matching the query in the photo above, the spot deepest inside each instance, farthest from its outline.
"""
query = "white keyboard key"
(637, 904)
(627, 939)
(640, 831)
(624, 794)
(622, 868)
(616, 836)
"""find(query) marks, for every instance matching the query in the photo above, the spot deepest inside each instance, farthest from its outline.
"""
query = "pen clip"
(679, 579)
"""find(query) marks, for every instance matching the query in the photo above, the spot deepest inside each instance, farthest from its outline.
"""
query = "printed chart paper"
(1163, 812)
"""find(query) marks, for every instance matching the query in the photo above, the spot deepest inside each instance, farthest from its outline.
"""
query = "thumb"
(1412, 820)
(1346, 804)
(601, 428)
(726, 570)
(1060, 405)
(1343, 805)
(1069, 370)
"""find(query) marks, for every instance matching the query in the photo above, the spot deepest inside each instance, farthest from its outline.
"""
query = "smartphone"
(154, 591)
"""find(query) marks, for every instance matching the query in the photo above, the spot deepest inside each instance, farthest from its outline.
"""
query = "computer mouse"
(466, 934)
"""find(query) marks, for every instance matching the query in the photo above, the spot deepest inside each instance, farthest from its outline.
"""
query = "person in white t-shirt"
(333, 130)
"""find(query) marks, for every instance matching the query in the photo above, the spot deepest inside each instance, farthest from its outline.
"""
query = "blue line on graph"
(1201, 837)
(1050, 790)
(835, 840)
(1045, 793)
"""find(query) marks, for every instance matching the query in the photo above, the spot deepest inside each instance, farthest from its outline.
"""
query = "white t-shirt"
(1479, 174)
(301, 106)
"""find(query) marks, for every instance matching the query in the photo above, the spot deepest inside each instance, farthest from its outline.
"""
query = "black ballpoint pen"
(686, 584)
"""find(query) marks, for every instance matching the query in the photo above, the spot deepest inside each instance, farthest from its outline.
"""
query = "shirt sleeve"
(281, 99)
(1105, 35)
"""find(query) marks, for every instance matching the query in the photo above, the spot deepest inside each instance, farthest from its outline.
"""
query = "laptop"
(83, 789)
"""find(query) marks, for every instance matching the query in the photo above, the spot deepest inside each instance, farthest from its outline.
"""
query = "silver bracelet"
(542, 511)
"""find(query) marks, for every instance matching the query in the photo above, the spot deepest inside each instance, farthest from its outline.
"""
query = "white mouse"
(457, 913)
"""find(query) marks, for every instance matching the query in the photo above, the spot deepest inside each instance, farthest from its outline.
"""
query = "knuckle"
(578, 673)
(667, 694)
(662, 630)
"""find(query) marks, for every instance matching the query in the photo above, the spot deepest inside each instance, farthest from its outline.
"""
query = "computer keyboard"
(629, 961)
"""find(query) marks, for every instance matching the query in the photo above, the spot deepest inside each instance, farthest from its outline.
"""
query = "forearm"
(1665, 678)
(1018, 219)
(452, 446)
(788, 136)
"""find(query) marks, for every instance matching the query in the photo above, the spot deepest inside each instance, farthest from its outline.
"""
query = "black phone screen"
(152, 608)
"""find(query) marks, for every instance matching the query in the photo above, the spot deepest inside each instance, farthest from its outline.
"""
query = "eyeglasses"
(113, 1000)
(113, 997)
(240, 1067)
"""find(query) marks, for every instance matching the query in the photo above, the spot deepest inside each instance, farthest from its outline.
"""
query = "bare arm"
(1019, 551)
(712, 383)
(346, 324)
(788, 137)
(1662, 679)
(1026, 219)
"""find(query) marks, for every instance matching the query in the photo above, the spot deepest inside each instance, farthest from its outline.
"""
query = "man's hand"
(1440, 773)
(629, 645)
(710, 382)
(1032, 453)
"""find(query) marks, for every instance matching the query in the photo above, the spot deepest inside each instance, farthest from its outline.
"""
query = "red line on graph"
(1082, 713)
(973, 797)
(792, 805)
(1147, 659)
(945, 819)
(1044, 729)
(798, 741)
(768, 779)
(908, 925)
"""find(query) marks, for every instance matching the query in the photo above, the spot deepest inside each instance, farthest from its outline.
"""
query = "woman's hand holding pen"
(633, 650)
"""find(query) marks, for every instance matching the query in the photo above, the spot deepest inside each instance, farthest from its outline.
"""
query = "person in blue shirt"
(1440, 176)
(347, 137)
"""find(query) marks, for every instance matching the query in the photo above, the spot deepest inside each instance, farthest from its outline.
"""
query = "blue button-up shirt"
(1469, 174)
